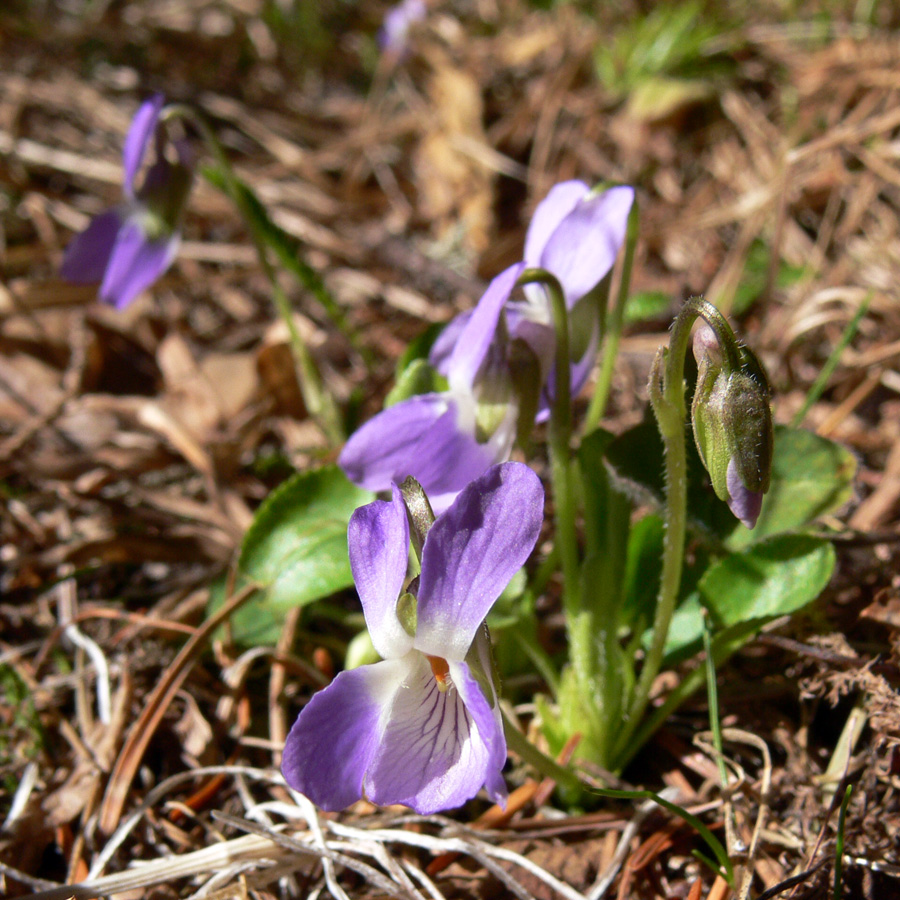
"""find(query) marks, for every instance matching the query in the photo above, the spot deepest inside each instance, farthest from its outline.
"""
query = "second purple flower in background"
(498, 358)
(129, 247)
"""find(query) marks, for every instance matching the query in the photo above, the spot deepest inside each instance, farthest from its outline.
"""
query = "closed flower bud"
(733, 425)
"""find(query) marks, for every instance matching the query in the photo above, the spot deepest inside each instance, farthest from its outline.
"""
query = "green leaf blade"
(772, 578)
(296, 549)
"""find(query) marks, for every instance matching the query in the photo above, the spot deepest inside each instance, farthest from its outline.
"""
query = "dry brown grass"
(132, 444)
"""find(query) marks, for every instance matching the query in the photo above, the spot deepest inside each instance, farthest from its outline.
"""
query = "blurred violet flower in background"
(128, 247)
(393, 38)
(422, 727)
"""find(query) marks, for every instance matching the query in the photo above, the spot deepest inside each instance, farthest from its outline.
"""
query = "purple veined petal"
(436, 749)
(442, 349)
(138, 139)
(87, 255)
(471, 553)
(488, 722)
(423, 437)
(559, 202)
(475, 338)
(337, 733)
(744, 503)
(135, 263)
(378, 541)
(584, 246)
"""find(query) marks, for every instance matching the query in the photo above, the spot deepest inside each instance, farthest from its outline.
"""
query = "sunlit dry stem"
(319, 402)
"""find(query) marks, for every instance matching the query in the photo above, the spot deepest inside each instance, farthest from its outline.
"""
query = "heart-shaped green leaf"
(771, 578)
(296, 550)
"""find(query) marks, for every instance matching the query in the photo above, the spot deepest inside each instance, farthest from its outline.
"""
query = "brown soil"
(135, 445)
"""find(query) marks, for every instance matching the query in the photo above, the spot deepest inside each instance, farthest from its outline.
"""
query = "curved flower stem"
(318, 401)
(581, 621)
(610, 347)
(560, 437)
(667, 399)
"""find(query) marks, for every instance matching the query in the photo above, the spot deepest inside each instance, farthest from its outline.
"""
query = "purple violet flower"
(422, 727)
(576, 234)
(129, 247)
(437, 437)
(393, 38)
(446, 439)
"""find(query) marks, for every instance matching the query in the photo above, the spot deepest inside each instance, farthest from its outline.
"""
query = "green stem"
(838, 890)
(613, 334)
(560, 438)
(712, 693)
(667, 399)
(723, 646)
(544, 764)
(319, 403)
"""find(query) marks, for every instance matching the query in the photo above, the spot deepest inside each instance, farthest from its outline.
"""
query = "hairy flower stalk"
(422, 727)
(720, 353)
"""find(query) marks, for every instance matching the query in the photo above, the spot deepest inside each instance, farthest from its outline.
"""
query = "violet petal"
(478, 333)
(559, 202)
(422, 437)
(378, 541)
(472, 552)
(88, 253)
(744, 503)
(138, 139)
(442, 348)
(584, 246)
(135, 263)
(432, 755)
(488, 726)
(337, 733)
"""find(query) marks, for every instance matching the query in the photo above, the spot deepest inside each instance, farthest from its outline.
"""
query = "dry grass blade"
(369, 873)
(143, 729)
(136, 444)
(256, 849)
